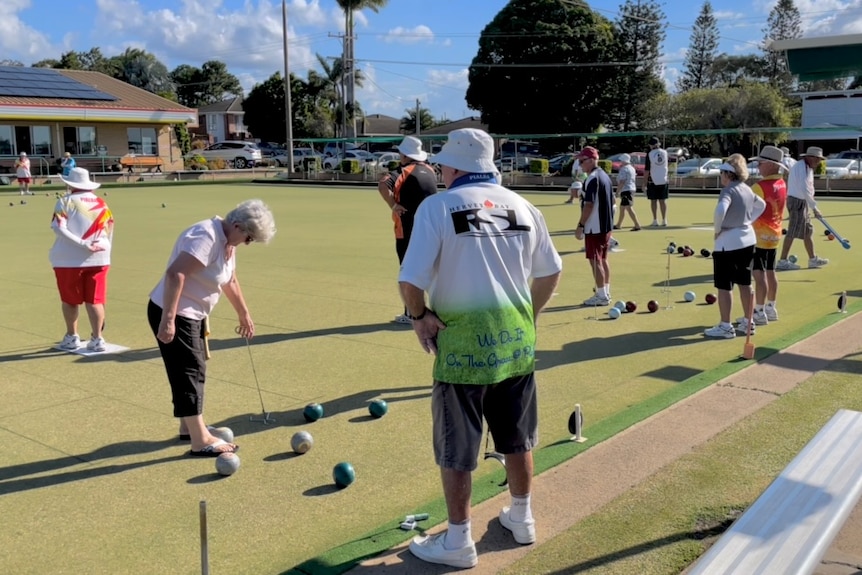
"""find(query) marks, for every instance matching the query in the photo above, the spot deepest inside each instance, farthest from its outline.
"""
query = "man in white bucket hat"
(403, 189)
(486, 259)
(800, 202)
(81, 255)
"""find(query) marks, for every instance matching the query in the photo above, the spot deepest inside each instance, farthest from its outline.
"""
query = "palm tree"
(329, 87)
(349, 7)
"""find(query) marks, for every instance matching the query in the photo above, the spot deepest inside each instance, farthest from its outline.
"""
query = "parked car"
(698, 167)
(849, 154)
(299, 154)
(383, 159)
(270, 149)
(242, 154)
(558, 162)
(677, 154)
(638, 162)
(843, 168)
(512, 164)
(333, 148)
(333, 162)
(753, 169)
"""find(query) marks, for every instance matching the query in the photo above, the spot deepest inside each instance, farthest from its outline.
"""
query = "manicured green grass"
(92, 476)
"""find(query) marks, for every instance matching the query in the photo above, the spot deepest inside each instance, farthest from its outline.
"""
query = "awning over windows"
(822, 58)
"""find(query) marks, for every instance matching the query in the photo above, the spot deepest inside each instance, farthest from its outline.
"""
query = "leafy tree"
(328, 89)
(748, 105)
(46, 63)
(728, 70)
(349, 7)
(8, 62)
(206, 85)
(142, 69)
(408, 122)
(93, 60)
(640, 35)
(701, 51)
(264, 110)
(541, 68)
(784, 23)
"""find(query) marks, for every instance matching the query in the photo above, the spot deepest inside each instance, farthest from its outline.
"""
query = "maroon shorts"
(82, 285)
(597, 246)
(23, 180)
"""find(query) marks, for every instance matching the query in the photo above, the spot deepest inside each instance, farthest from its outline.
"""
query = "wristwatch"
(416, 317)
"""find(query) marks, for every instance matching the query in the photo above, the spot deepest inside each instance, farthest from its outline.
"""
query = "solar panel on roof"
(46, 83)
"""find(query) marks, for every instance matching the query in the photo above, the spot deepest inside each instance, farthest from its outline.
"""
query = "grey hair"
(254, 217)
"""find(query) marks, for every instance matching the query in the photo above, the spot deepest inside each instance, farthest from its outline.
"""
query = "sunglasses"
(249, 238)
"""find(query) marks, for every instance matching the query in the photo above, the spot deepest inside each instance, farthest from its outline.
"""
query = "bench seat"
(132, 162)
(789, 528)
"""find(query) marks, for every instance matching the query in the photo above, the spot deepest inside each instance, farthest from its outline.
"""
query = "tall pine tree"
(701, 52)
(784, 23)
(640, 36)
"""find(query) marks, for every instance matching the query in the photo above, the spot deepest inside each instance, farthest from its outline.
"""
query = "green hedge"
(393, 165)
(820, 170)
(351, 166)
(538, 166)
(606, 165)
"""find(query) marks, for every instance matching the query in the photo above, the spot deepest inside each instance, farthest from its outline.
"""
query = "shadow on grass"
(25, 484)
(263, 339)
(241, 425)
(617, 346)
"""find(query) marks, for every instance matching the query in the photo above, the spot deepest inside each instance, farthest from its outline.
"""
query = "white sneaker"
(771, 312)
(742, 326)
(785, 265)
(760, 318)
(71, 342)
(720, 332)
(597, 300)
(402, 319)
(523, 531)
(96, 344)
(664, 224)
(654, 224)
(432, 549)
(817, 262)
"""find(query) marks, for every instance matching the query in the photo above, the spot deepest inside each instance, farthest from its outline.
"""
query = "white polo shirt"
(800, 183)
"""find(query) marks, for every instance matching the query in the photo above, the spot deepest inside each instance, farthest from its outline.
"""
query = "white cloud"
(18, 41)
(823, 17)
(247, 38)
(728, 15)
(402, 35)
(448, 78)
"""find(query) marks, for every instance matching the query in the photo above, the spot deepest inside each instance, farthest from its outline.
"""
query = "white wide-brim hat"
(814, 152)
(79, 179)
(469, 150)
(412, 148)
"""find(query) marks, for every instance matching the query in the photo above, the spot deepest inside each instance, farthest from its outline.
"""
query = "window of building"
(6, 141)
(41, 140)
(79, 140)
(143, 141)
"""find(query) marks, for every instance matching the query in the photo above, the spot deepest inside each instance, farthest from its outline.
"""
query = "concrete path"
(574, 490)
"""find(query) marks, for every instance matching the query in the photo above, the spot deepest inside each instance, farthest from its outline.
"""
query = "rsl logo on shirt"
(486, 219)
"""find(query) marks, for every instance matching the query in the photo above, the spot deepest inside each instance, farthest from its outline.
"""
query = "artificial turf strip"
(344, 557)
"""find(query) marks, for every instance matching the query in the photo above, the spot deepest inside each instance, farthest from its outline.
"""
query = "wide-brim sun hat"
(814, 152)
(771, 154)
(625, 159)
(412, 148)
(469, 150)
(79, 179)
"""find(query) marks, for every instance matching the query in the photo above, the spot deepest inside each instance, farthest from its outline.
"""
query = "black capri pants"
(733, 267)
(185, 362)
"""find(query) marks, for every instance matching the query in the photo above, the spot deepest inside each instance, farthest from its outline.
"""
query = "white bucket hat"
(469, 150)
(625, 159)
(815, 152)
(412, 148)
(79, 179)
(771, 154)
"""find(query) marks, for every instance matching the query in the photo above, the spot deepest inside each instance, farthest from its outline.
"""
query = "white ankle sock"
(458, 536)
(520, 510)
(758, 308)
(770, 303)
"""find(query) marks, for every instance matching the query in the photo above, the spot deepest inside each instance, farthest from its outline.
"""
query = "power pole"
(287, 111)
(349, 76)
(418, 127)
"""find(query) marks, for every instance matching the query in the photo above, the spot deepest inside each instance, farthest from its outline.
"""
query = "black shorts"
(656, 192)
(764, 259)
(627, 198)
(732, 268)
(457, 409)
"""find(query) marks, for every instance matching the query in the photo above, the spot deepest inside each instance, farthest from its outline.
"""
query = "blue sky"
(410, 49)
